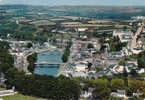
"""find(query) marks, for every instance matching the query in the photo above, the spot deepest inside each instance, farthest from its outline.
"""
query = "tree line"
(52, 88)
(103, 86)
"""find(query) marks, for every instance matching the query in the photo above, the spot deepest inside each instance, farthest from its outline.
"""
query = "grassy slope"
(21, 97)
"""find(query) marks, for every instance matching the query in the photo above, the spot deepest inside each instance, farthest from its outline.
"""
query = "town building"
(119, 94)
(125, 36)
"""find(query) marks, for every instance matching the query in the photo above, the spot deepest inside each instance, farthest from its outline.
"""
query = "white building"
(130, 66)
(126, 51)
(7, 92)
(81, 67)
(143, 30)
(119, 93)
(138, 17)
(142, 70)
(125, 36)
(82, 29)
(80, 74)
(116, 54)
(136, 51)
(118, 69)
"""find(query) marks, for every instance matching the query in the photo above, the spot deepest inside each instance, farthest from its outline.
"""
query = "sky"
(75, 2)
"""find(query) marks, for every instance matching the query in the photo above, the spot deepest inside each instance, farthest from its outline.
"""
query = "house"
(82, 29)
(126, 38)
(80, 74)
(81, 67)
(118, 69)
(136, 50)
(114, 68)
(140, 71)
(126, 51)
(115, 56)
(137, 94)
(130, 66)
(133, 61)
(143, 30)
(139, 44)
(87, 94)
(8, 92)
(119, 93)
(138, 17)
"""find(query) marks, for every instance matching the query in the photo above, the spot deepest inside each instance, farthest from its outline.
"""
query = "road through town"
(134, 39)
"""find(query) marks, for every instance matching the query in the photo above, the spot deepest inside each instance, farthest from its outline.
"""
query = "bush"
(65, 55)
(90, 46)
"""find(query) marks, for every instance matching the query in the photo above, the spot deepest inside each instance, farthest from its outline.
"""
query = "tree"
(32, 59)
(115, 98)
(137, 86)
(124, 28)
(125, 73)
(90, 45)
(122, 62)
(102, 40)
(103, 47)
(29, 45)
(117, 84)
(4, 67)
(102, 90)
(69, 44)
(115, 44)
(141, 60)
(53, 88)
(6, 59)
(65, 55)
(89, 65)
(133, 72)
(135, 98)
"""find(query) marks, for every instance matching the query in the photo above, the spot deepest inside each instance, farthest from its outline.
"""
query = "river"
(49, 56)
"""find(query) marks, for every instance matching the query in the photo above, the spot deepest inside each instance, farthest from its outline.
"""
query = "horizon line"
(74, 5)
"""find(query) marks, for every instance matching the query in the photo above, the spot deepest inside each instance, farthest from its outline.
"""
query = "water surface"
(49, 56)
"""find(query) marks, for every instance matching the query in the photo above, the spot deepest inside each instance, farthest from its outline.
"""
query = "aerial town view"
(72, 50)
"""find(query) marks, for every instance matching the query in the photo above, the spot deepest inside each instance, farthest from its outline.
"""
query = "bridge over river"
(48, 63)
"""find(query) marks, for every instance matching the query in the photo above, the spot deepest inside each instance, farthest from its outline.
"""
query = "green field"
(43, 22)
(21, 97)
